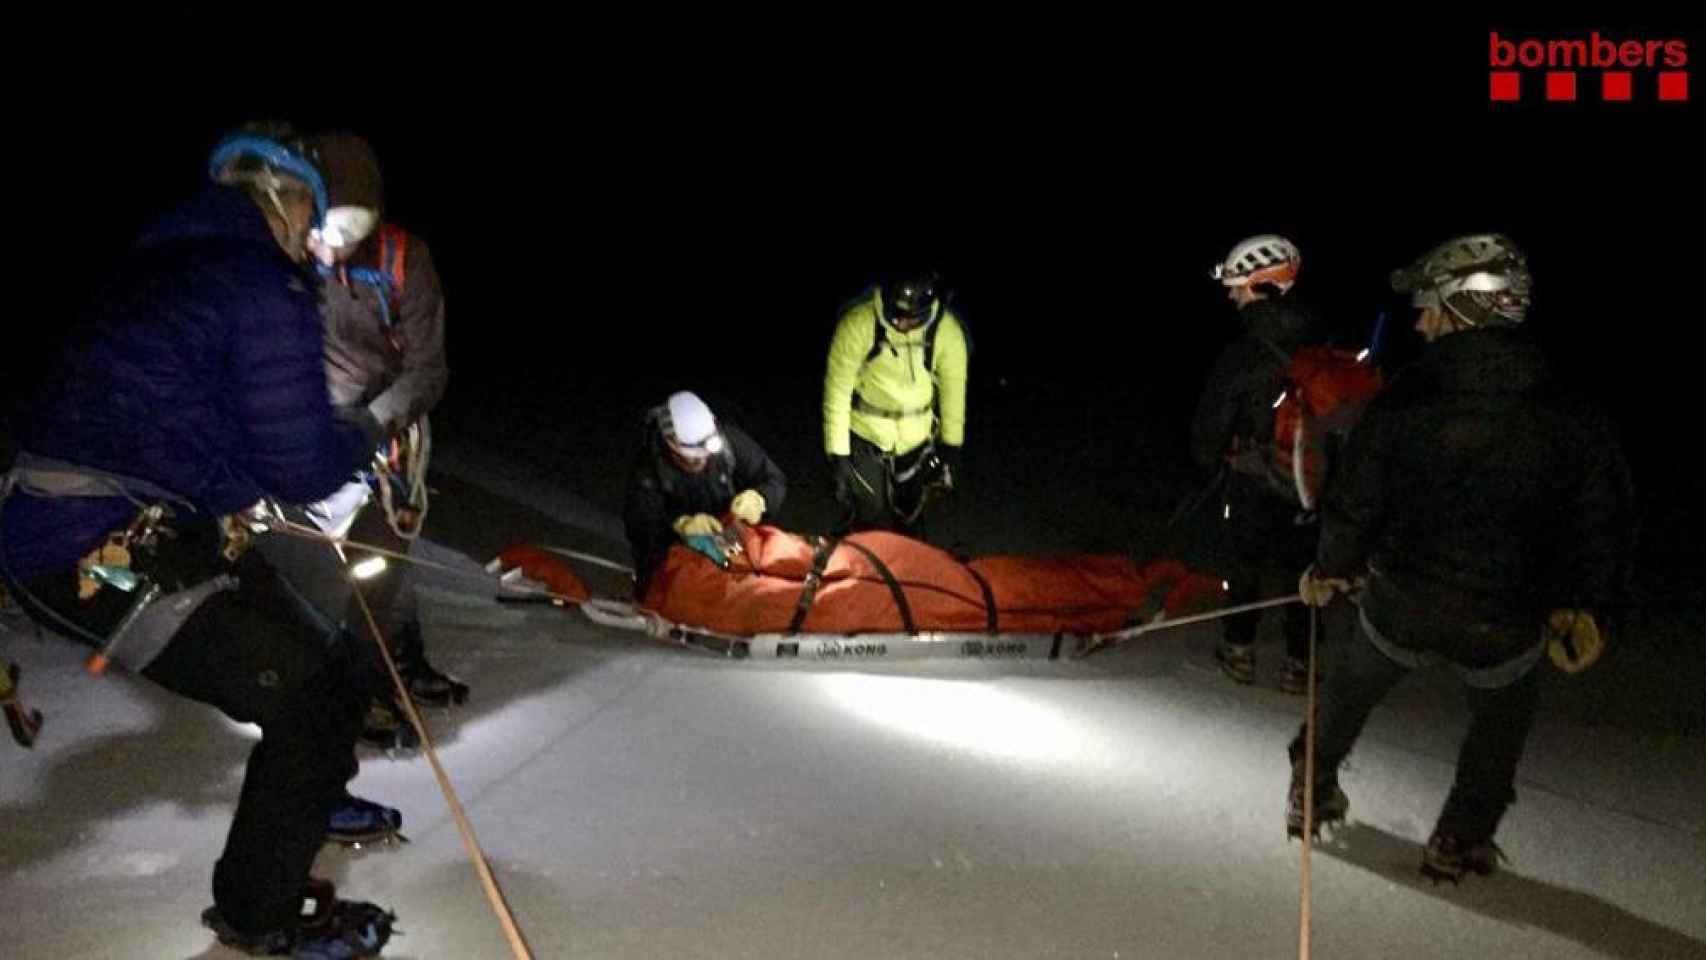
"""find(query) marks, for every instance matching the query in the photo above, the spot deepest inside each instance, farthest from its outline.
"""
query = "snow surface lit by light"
(957, 713)
(636, 800)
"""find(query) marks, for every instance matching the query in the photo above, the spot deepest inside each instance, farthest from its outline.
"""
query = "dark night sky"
(615, 212)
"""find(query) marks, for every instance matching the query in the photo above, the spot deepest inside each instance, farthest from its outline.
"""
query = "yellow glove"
(1318, 591)
(748, 507)
(697, 525)
(1572, 640)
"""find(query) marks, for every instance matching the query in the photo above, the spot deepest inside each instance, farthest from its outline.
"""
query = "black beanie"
(352, 171)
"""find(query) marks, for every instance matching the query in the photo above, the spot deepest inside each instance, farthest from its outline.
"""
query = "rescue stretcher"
(875, 596)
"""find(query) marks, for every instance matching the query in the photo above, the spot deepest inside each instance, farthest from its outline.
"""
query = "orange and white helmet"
(1264, 259)
(689, 430)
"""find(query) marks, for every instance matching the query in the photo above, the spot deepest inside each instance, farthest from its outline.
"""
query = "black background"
(618, 211)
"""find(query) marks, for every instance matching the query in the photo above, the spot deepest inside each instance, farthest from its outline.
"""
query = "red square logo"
(1616, 85)
(1561, 85)
(1506, 85)
(1673, 85)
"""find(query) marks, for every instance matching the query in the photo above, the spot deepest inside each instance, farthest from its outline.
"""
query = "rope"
(417, 447)
(593, 559)
(1099, 640)
(278, 524)
(517, 944)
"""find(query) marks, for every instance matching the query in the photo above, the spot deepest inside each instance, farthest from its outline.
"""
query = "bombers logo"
(1623, 65)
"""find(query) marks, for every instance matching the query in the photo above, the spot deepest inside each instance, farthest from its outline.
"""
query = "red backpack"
(393, 258)
(1326, 391)
(387, 278)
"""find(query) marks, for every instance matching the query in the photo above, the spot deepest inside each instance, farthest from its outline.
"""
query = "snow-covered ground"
(637, 800)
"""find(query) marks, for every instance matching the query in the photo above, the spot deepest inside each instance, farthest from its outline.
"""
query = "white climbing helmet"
(1267, 258)
(689, 428)
(1481, 278)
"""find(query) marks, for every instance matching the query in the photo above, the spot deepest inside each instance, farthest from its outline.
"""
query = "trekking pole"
(99, 660)
(1377, 342)
(1100, 640)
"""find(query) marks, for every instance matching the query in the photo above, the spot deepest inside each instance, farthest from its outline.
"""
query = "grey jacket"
(398, 372)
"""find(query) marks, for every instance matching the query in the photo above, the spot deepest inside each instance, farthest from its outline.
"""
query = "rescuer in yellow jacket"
(894, 403)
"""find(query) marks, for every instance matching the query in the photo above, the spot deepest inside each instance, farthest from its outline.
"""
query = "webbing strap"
(893, 584)
(808, 593)
(988, 598)
(867, 407)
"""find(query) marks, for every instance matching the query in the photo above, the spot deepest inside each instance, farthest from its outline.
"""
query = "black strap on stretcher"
(808, 593)
(826, 547)
(883, 571)
(988, 598)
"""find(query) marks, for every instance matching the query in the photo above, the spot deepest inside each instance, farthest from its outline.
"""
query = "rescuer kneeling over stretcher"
(692, 471)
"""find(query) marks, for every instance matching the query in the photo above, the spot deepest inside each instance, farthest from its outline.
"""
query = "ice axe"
(25, 724)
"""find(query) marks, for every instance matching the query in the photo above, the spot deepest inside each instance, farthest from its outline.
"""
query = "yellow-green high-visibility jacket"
(891, 399)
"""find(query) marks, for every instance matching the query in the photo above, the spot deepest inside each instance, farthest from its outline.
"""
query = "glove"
(1318, 591)
(697, 525)
(1573, 640)
(748, 507)
(951, 466)
(841, 478)
(361, 418)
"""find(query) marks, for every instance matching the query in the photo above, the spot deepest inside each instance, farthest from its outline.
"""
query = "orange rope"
(517, 944)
